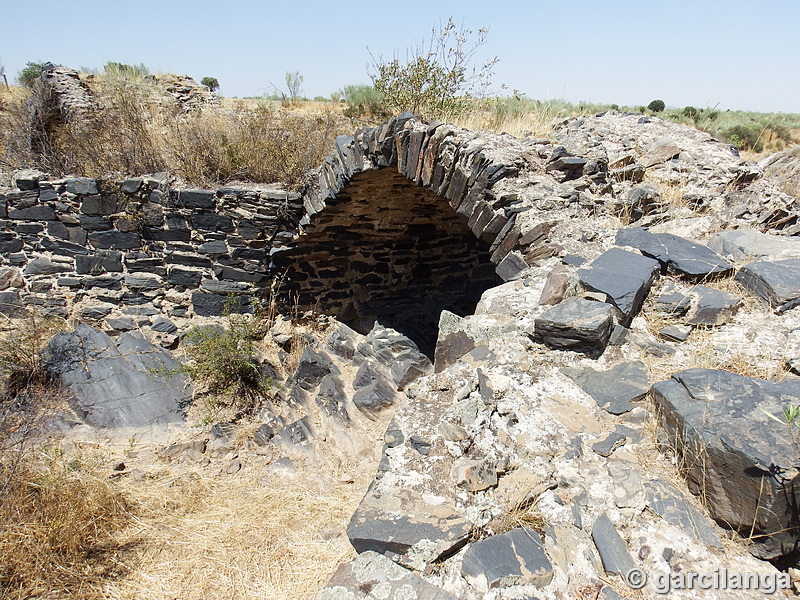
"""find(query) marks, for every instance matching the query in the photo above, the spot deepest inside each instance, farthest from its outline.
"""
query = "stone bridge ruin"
(399, 223)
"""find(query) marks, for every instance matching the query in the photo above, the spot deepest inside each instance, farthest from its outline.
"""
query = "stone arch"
(401, 223)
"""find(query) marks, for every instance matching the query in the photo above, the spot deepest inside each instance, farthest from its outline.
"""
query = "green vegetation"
(363, 101)
(29, 74)
(656, 106)
(224, 362)
(211, 83)
(437, 82)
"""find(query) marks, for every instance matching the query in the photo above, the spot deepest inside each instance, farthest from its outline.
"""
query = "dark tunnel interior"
(385, 249)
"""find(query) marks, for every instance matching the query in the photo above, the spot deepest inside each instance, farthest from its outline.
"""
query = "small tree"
(294, 83)
(211, 83)
(656, 106)
(29, 74)
(438, 81)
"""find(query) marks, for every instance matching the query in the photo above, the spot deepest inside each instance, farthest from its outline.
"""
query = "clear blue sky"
(735, 53)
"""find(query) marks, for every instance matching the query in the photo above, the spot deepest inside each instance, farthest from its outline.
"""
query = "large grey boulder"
(748, 245)
(676, 254)
(116, 382)
(575, 323)
(738, 459)
(624, 277)
(776, 282)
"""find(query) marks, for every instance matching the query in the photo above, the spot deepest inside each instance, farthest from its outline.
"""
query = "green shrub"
(223, 360)
(439, 81)
(29, 74)
(363, 101)
(122, 70)
(744, 137)
(656, 106)
(211, 83)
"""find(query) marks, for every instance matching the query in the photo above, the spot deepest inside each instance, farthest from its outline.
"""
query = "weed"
(21, 351)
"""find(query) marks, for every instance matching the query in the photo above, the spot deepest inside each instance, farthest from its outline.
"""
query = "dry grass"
(59, 518)
(236, 537)
(139, 128)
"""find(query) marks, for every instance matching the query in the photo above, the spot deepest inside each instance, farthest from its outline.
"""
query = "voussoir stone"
(575, 323)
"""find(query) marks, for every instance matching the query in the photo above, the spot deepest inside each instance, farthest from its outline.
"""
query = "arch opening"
(387, 250)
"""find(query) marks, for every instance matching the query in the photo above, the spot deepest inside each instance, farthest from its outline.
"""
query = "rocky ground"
(612, 409)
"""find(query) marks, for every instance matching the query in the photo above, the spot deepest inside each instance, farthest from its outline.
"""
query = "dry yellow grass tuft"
(59, 522)
(236, 537)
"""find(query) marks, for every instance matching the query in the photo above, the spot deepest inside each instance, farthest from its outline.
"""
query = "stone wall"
(80, 247)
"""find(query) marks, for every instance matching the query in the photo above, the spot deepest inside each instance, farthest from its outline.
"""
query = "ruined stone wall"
(81, 247)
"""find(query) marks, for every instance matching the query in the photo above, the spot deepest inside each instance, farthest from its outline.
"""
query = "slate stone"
(613, 390)
(372, 576)
(111, 382)
(332, 399)
(312, 368)
(63, 247)
(624, 277)
(573, 261)
(118, 240)
(81, 185)
(27, 179)
(184, 277)
(512, 266)
(374, 398)
(163, 325)
(667, 502)
(212, 222)
(57, 229)
(575, 323)
(713, 307)
(214, 247)
(11, 244)
(745, 245)
(34, 213)
(556, 285)
(216, 305)
(661, 150)
(401, 525)
(32, 228)
(778, 282)
(95, 311)
(676, 254)
(131, 186)
(641, 200)
(143, 282)
(47, 195)
(608, 444)
(793, 364)
(10, 304)
(675, 333)
(233, 274)
(188, 260)
(672, 302)
(194, 199)
(513, 558)
(216, 286)
(99, 206)
(120, 324)
(451, 347)
(613, 551)
(740, 461)
(102, 261)
(45, 266)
